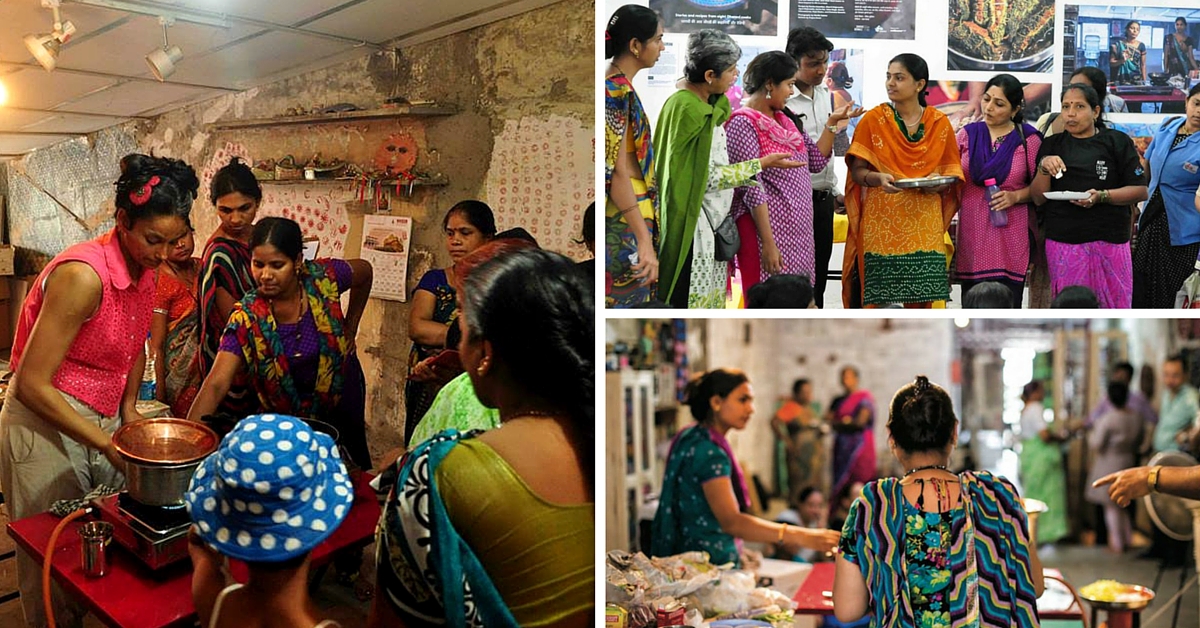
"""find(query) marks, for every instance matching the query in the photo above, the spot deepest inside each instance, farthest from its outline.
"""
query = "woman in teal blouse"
(705, 501)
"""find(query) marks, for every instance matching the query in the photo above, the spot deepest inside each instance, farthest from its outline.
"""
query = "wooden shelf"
(348, 116)
(437, 180)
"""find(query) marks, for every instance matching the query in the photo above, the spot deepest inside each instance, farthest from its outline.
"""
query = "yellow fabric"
(841, 224)
(879, 141)
(540, 555)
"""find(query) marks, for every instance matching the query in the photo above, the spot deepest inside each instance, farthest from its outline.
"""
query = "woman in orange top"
(895, 250)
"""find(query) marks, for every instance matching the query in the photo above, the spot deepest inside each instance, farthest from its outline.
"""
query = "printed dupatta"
(989, 558)
(266, 360)
(426, 568)
(226, 264)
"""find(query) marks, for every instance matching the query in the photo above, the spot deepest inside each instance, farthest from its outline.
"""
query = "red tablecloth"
(132, 596)
(812, 600)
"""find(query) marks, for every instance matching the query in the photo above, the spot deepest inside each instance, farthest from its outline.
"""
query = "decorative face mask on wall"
(397, 154)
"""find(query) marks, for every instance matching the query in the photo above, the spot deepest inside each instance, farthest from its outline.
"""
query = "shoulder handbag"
(726, 237)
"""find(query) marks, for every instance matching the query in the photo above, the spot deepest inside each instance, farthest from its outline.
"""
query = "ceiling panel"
(38, 89)
(10, 144)
(256, 58)
(133, 98)
(138, 37)
(288, 12)
(381, 20)
(33, 121)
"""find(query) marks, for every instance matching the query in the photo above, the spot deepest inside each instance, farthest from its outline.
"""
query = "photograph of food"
(384, 241)
(1141, 133)
(961, 101)
(1002, 35)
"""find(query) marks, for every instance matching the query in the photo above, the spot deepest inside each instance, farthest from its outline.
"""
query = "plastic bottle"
(1000, 218)
(146, 391)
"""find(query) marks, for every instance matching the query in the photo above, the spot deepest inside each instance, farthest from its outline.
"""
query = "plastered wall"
(523, 141)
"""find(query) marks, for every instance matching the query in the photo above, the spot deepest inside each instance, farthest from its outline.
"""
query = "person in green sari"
(1042, 465)
(696, 180)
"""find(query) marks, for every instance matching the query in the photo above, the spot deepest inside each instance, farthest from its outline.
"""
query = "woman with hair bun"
(633, 40)
(468, 225)
(79, 353)
(496, 528)
(705, 499)
(291, 340)
(225, 271)
(936, 548)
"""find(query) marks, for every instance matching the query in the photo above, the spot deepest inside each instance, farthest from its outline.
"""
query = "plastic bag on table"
(729, 595)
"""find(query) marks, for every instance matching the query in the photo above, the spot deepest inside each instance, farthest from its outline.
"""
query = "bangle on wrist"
(1153, 479)
(782, 530)
(630, 209)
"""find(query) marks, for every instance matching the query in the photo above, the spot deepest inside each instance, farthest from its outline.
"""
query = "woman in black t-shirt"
(1087, 238)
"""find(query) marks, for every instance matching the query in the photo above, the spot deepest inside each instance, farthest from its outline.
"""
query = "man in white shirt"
(810, 109)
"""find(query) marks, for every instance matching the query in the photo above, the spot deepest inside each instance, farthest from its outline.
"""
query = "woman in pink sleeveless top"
(78, 354)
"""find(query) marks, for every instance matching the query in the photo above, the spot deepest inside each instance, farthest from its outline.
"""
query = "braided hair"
(921, 417)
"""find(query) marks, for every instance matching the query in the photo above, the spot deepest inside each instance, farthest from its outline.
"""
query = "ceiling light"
(45, 46)
(162, 60)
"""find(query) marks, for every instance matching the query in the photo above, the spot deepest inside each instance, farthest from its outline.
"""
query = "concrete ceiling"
(102, 77)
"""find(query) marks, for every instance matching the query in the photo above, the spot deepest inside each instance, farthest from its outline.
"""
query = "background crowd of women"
(253, 327)
(711, 189)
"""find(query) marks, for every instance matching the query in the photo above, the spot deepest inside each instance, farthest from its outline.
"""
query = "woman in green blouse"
(705, 501)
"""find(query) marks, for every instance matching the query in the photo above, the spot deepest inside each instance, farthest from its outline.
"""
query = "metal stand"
(1163, 566)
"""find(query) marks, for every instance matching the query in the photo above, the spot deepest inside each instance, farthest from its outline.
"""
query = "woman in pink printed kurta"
(1008, 151)
(760, 128)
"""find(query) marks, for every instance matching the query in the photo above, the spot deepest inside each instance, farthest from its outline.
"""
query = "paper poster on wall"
(1015, 36)
(735, 17)
(385, 245)
(857, 19)
(1147, 53)
(1140, 132)
(670, 65)
(737, 91)
(845, 82)
(961, 101)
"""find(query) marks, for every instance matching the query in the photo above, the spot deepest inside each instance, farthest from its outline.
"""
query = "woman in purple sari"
(852, 416)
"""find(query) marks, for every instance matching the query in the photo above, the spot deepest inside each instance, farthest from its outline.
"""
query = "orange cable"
(50, 556)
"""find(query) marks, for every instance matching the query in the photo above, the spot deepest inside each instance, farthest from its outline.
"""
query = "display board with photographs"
(1148, 54)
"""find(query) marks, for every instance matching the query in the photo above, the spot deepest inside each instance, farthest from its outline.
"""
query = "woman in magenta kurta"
(1004, 148)
(774, 218)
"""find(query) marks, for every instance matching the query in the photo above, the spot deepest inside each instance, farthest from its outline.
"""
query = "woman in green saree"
(696, 180)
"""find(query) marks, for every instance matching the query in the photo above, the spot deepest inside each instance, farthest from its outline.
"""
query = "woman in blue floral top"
(967, 557)
(705, 500)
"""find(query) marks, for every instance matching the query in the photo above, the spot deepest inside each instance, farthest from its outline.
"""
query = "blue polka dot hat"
(273, 490)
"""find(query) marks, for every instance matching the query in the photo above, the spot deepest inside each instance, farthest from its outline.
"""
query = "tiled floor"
(339, 601)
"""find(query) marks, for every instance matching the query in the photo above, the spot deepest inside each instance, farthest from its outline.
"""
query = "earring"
(483, 367)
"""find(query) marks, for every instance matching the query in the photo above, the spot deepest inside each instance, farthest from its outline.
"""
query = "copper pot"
(160, 457)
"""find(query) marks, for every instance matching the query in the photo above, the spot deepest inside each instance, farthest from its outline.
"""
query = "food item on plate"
(1112, 591)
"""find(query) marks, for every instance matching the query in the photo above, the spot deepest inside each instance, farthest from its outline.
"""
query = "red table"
(812, 601)
(130, 595)
(1171, 103)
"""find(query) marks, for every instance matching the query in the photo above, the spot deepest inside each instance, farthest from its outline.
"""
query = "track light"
(45, 46)
(162, 60)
